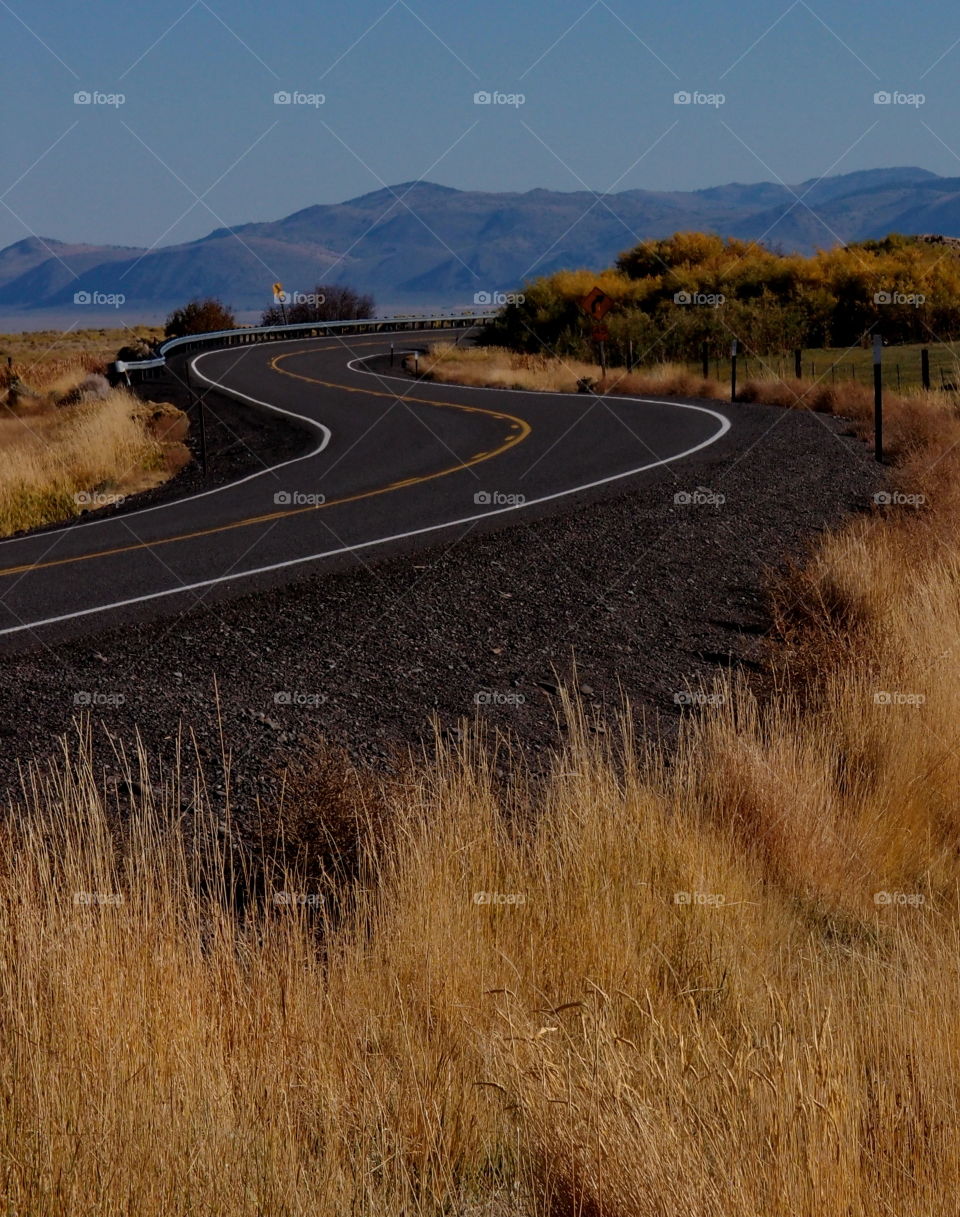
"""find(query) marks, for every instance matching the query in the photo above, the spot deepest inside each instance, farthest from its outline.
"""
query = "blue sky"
(398, 78)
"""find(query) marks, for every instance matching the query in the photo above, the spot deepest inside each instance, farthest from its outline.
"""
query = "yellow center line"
(519, 431)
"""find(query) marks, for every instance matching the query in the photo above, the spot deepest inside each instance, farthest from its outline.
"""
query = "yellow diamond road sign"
(596, 304)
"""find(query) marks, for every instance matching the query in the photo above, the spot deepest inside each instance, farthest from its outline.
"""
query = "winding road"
(396, 464)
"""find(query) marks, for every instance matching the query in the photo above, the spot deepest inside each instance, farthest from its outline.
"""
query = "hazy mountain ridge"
(422, 241)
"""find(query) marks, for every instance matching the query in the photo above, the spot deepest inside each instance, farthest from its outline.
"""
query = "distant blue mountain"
(423, 243)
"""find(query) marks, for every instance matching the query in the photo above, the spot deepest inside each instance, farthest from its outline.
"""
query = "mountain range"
(423, 244)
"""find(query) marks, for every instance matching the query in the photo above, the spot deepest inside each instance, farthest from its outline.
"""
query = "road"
(395, 463)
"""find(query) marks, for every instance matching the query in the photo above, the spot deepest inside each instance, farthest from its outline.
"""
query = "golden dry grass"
(34, 352)
(58, 461)
(502, 368)
(683, 996)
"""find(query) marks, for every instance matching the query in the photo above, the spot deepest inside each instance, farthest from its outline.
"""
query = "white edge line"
(400, 536)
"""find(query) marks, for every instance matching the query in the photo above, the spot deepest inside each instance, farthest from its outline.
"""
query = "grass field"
(69, 444)
(34, 352)
(901, 366)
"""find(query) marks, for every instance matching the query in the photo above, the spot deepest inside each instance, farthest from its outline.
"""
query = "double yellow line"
(518, 432)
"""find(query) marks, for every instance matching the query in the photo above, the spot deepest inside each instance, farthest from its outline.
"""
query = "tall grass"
(58, 461)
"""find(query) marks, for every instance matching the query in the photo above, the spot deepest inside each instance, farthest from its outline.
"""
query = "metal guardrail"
(143, 369)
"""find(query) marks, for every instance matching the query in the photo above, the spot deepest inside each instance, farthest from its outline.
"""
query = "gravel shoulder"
(637, 593)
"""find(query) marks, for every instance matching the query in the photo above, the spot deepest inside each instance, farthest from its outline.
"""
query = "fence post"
(925, 367)
(798, 364)
(733, 370)
(705, 359)
(878, 397)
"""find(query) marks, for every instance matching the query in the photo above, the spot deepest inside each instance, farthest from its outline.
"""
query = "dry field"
(724, 986)
(70, 444)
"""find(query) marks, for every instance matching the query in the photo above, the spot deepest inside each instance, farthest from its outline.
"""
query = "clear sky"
(199, 141)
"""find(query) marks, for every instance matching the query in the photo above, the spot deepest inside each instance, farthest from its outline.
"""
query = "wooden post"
(733, 370)
(878, 397)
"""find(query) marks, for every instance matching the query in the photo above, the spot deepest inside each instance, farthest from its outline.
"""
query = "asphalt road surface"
(394, 463)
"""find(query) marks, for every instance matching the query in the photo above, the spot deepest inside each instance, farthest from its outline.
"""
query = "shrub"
(199, 317)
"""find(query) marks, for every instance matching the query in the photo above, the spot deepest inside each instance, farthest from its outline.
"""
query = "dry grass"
(779, 1044)
(34, 352)
(501, 368)
(61, 460)
(693, 996)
